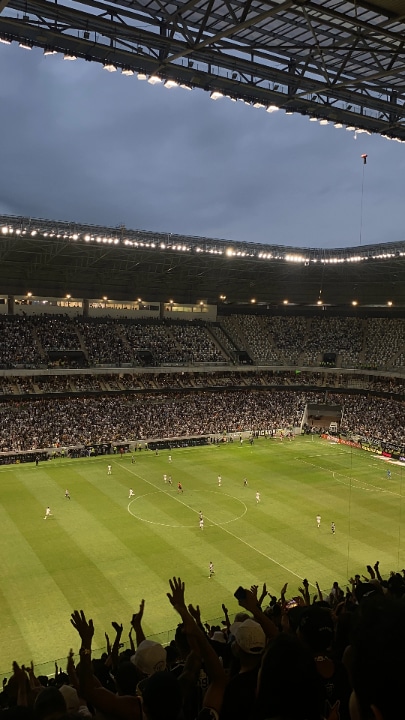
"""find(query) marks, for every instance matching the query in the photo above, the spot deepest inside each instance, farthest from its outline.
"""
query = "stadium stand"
(342, 651)
(293, 649)
(59, 341)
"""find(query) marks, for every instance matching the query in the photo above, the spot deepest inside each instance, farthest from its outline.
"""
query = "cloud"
(84, 145)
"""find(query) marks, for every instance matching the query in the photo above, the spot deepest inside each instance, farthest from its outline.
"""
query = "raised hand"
(263, 594)
(118, 628)
(83, 627)
(108, 644)
(249, 602)
(371, 572)
(70, 661)
(195, 612)
(176, 598)
(137, 617)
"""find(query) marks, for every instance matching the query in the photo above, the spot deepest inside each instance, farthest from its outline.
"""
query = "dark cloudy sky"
(78, 143)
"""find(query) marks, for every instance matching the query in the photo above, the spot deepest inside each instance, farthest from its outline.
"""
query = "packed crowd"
(224, 340)
(383, 340)
(196, 343)
(17, 343)
(50, 422)
(55, 332)
(255, 338)
(267, 340)
(105, 343)
(315, 655)
(288, 337)
(373, 418)
(89, 382)
(85, 420)
(155, 338)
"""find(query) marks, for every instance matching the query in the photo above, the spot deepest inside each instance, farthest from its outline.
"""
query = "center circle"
(181, 510)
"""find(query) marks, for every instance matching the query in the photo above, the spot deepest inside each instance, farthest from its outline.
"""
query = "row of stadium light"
(182, 247)
(172, 302)
(214, 94)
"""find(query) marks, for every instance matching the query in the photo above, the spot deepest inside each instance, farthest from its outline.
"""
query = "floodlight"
(154, 79)
(272, 108)
(50, 51)
(69, 56)
(127, 71)
(25, 45)
(324, 121)
(110, 67)
(171, 84)
(185, 86)
(142, 76)
(4, 39)
(215, 95)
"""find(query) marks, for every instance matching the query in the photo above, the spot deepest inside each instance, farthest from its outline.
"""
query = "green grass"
(101, 553)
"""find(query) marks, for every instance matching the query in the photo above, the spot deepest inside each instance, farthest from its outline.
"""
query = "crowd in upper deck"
(49, 340)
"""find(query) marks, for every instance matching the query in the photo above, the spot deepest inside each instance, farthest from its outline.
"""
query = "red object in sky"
(364, 159)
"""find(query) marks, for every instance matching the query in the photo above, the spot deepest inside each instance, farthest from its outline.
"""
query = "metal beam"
(355, 63)
(231, 30)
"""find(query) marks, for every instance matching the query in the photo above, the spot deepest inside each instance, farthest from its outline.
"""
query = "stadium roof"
(53, 259)
(340, 61)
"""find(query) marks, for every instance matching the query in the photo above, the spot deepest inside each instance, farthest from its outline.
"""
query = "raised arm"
(122, 707)
(136, 623)
(249, 602)
(215, 692)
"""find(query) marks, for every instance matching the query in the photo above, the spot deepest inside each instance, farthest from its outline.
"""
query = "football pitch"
(102, 551)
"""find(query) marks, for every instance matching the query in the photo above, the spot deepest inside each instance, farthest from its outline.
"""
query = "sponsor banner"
(350, 443)
(369, 447)
(341, 441)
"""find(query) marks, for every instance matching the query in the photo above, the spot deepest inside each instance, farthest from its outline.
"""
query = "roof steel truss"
(338, 60)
